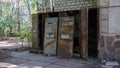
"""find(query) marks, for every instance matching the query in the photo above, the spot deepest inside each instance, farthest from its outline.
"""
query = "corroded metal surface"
(65, 38)
(50, 37)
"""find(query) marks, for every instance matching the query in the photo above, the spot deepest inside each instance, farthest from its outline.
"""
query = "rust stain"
(68, 40)
(65, 46)
(49, 43)
(64, 51)
(68, 29)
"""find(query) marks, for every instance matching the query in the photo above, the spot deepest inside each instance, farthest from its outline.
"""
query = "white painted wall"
(109, 16)
(114, 20)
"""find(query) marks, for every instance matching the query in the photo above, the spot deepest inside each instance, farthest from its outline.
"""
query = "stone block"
(114, 20)
(103, 3)
(104, 16)
(102, 43)
(114, 2)
(104, 13)
(109, 41)
(103, 26)
(71, 3)
(112, 63)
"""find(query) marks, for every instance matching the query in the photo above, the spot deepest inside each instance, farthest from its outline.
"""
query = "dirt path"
(12, 43)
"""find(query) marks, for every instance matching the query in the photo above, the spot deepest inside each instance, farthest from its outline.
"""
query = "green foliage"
(33, 4)
(25, 34)
(9, 18)
(28, 34)
(7, 23)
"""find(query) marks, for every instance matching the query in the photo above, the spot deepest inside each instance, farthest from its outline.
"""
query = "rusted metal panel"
(65, 38)
(35, 29)
(50, 38)
(84, 34)
(44, 16)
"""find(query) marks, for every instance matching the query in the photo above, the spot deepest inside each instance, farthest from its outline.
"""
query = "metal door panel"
(50, 37)
(65, 38)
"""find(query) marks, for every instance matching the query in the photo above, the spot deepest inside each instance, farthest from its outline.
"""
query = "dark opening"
(40, 26)
(76, 45)
(76, 40)
(92, 33)
(53, 14)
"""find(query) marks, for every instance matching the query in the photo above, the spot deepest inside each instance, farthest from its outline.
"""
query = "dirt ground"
(11, 43)
(15, 55)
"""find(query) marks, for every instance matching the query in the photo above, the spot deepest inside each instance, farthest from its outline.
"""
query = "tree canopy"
(15, 15)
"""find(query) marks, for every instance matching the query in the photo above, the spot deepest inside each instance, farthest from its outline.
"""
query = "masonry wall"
(65, 5)
(109, 21)
(109, 45)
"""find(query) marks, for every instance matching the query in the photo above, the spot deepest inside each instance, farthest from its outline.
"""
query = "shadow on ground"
(14, 55)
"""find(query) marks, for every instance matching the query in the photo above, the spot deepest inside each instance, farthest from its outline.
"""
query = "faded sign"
(65, 36)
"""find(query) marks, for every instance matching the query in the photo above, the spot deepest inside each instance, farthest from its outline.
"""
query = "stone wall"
(109, 46)
(109, 40)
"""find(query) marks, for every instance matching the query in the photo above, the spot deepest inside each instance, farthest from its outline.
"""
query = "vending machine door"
(50, 37)
(65, 38)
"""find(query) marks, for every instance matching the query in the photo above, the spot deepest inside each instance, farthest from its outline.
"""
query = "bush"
(25, 34)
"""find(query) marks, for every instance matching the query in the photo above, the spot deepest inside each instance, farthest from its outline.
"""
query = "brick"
(71, 3)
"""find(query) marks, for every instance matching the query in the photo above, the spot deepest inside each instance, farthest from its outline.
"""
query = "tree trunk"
(18, 16)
